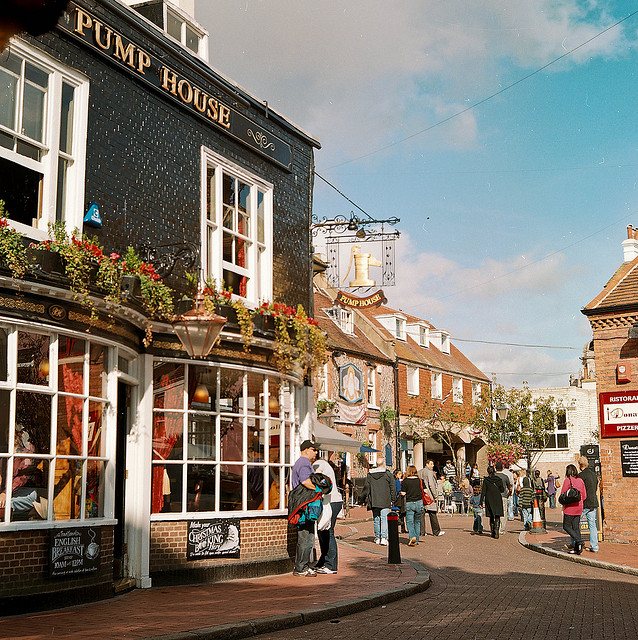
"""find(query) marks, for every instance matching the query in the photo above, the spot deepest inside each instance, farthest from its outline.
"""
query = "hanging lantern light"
(198, 329)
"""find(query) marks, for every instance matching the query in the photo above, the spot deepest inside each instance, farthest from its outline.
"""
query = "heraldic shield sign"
(350, 383)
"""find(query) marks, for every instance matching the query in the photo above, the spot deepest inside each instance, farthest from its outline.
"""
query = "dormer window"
(183, 32)
(343, 318)
(420, 333)
(400, 328)
(441, 340)
(394, 323)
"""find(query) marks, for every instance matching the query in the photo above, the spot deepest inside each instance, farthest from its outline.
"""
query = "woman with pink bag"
(573, 506)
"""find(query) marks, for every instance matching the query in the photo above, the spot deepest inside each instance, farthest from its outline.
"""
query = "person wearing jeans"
(328, 559)
(590, 505)
(573, 511)
(411, 486)
(379, 492)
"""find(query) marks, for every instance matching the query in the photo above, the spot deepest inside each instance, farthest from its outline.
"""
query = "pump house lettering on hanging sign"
(146, 67)
(618, 414)
(212, 539)
(74, 551)
(373, 300)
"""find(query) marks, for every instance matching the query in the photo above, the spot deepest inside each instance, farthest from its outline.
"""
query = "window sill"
(198, 515)
(56, 524)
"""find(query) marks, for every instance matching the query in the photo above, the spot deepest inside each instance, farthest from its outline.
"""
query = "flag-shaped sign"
(436, 413)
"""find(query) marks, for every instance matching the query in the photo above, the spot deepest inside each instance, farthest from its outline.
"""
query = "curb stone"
(590, 562)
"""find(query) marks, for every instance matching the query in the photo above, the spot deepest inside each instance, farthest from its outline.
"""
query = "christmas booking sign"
(212, 539)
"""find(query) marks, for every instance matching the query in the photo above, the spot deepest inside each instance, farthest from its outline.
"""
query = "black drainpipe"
(397, 421)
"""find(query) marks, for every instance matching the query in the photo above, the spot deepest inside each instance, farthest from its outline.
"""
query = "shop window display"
(52, 444)
(219, 447)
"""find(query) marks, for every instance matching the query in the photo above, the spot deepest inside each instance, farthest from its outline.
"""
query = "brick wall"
(261, 540)
(24, 564)
(611, 346)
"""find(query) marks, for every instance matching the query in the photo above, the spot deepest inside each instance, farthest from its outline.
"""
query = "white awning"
(333, 440)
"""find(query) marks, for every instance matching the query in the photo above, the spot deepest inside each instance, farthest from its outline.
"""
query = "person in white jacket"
(328, 559)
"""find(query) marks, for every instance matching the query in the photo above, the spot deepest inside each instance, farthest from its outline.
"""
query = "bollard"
(394, 555)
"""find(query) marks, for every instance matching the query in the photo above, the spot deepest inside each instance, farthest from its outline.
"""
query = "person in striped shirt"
(525, 502)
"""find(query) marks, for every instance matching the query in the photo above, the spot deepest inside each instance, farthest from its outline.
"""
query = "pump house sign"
(190, 94)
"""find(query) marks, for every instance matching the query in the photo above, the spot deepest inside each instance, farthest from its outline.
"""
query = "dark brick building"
(123, 461)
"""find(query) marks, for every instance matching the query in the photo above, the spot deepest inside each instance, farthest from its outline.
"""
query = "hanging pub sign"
(350, 383)
(212, 539)
(190, 94)
(373, 300)
(629, 458)
(74, 551)
(618, 413)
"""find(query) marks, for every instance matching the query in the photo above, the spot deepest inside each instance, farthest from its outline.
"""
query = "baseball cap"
(309, 444)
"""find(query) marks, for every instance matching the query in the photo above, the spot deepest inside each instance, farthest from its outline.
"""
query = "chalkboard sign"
(592, 453)
(629, 458)
(212, 539)
(74, 551)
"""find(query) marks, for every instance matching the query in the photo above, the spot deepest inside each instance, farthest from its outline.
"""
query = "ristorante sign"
(191, 95)
(618, 414)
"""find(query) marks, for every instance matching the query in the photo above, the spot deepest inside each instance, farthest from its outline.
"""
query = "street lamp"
(501, 411)
(198, 329)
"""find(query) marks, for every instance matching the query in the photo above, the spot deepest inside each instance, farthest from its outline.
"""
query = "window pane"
(69, 431)
(95, 442)
(231, 439)
(202, 388)
(231, 390)
(261, 234)
(273, 397)
(255, 394)
(274, 487)
(68, 489)
(255, 484)
(36, 76)
(243, 208)
(211, 212)
(30, 485)
(5, 396)
(174, 26)
(167, 488)
(227, 247)
(95, 489)
(562, 440)
(201, 437)
(3, 354)
(33, 423)
(8, 90)
(28, 150)
(33, 112)
(97, 370)
(231, 489)
(240, 253)
(192, 40)
(201, 487)
(238, 284)
(228, 199)
(66, 120)
(168, 385)
(12, 62)
(20, 188)
(33, 358)
(60, 202)
(71, 364)
(256, 440)
(274, 437)
(168, 435)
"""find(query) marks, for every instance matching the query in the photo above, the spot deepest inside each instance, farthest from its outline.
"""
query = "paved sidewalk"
(234, 609)
(612, 556)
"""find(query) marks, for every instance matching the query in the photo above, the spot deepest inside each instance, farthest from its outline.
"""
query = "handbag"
(427, 500)
(571, 496)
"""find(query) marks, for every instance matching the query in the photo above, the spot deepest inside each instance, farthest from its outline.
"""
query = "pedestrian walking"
(505, 495)
(573, 511)
(411, 486)
(492, 499)
(541, 494)
(300, 474)
(328, 560)
(475, 502)
(551, 486)
(475, 473)
(430, 485)
(379, 492)
(399, 501)
(526, 502)
(450, 472)
(516, 487)
(510, 499)
(466, 492)
(590, 504)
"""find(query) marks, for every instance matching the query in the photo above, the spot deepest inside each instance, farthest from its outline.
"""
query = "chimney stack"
(630, 246)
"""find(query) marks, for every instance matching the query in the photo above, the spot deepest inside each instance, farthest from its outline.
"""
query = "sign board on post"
(74, 551)
(629, 458)
(592, 453)
(212, 539)
(618, 414)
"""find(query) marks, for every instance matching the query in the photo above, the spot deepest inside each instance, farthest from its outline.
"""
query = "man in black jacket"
(379, 492)
(590, 505)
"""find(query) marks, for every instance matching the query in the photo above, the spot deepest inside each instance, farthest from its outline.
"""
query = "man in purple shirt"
(301, 472)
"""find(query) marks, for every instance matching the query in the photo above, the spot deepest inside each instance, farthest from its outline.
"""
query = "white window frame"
(260, 283)
(186, 21)
(343, 318)
(412, 374)
(457, 390)
(437, 385)
(399, 328)
(556, 432)
(73, 214)
(372, 386)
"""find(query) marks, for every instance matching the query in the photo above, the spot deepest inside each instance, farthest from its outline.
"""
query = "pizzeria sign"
(618, 414)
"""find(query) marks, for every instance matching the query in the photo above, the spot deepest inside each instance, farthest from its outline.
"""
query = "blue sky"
(528, 195)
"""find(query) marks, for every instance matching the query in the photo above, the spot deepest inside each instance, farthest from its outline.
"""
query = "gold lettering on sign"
(82, 21)
(97, 34)
(185, 91)
(125, 55)
(169, 80)
(143, 61)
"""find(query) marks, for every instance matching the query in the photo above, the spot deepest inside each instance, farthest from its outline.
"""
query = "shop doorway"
(123, 426)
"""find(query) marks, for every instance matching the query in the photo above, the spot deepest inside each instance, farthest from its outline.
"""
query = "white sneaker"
(383, 542)
(441, 533)
(377, 541)
(325, 570)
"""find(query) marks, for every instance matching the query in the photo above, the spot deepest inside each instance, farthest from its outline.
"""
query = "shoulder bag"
(427, 500)
(571, 496)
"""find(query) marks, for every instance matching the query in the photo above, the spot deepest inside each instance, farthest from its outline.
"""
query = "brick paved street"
(485, 589)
